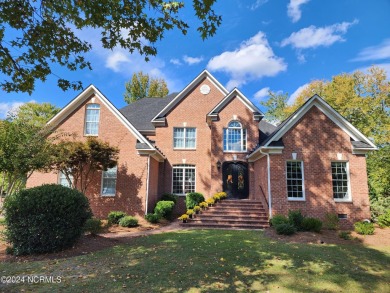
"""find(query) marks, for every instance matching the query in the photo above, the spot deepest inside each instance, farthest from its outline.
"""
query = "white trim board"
(204, 74)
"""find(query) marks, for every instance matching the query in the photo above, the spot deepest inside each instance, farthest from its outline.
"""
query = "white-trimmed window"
(234, 137)
(92, 114)
(184, 138)
(340, 181)
(183, 179)
(295, 180)
(109, 181)
(63, 181)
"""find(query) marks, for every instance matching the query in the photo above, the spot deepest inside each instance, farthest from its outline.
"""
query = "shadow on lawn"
(209, 260)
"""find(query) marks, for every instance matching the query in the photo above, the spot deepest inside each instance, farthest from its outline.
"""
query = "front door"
(235, 179)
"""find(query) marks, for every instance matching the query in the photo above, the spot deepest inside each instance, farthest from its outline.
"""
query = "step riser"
(232, 214)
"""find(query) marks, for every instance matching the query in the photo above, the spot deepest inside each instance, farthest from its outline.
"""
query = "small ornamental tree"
(80, 161)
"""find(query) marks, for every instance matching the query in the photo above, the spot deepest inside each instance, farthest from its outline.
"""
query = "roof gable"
(213, 114)
(159, 119)
(85, 95)
(360, 143)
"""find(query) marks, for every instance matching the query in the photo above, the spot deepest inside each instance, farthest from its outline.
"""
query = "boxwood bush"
(193, 199)
(152, 218)
(296, 219)
(115, 216)
(311, 224)
(285, 229)
(364, 228)
(169, 197)
(164, 209)
(279, 219)
(44, 219)
(93, 226)
(384, 220)
(128, 221)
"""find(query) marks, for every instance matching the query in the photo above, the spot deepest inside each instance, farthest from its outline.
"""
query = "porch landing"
(232, 214)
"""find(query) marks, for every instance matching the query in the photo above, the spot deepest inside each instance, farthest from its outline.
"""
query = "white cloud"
(115, 59)
(11, 107)
(297, 92)
(261, 94)
(378, 52)
(312, 37)
(253, 60)
(175, 61)
(257, 4)
(294, 10)
(192, 60)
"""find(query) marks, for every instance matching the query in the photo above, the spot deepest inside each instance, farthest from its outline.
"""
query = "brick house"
(207, 139)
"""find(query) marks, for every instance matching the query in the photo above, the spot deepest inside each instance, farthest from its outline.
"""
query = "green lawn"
(213, 260)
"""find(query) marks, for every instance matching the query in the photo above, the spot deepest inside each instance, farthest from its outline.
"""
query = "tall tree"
(276, 105)
(36, 113)
(142, 85)
(35, 35)
(79, 161)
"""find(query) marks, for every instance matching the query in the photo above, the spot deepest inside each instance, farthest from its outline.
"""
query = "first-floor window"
(295, 185)
(183, 180)
(340, 180)
(62, 180)
(109, 181)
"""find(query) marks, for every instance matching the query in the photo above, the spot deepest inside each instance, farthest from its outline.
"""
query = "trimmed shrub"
(311, 224)
(279, 219)
(115, 216)
(345, 235)
(285, 229)
(384, 220)
(164, 209)
(364, 228)
(46, 218)
(128, 221)
(296, 219)
(152, 218)
(331, 221)
(93, 226)
(169, 197)
(193, 199)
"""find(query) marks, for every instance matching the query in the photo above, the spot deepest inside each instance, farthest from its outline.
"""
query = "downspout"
(269, 184)
(147, 187)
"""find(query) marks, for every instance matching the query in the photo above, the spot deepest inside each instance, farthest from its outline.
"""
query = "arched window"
(234, 137)
(183, 179)
(92, 114)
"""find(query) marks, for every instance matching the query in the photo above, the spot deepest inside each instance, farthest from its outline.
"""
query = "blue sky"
(277, 45)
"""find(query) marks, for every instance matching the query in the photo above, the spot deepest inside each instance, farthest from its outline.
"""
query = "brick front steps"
(238, 214)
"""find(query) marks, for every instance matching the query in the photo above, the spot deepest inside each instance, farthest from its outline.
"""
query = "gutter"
(147, 187)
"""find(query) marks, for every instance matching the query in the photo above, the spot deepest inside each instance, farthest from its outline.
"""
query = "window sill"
(177, 149)
(96, 135)
(343, 200)
(107, 195)
(295, 199)
(240, 152)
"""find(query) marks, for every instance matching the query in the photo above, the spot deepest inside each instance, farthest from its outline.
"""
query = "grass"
(212, 260)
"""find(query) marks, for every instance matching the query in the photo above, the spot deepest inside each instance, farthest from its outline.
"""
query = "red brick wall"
(192, 110)
(317, 141)
(153, 185)
(132, 168)
(209, 143)
(260, 191)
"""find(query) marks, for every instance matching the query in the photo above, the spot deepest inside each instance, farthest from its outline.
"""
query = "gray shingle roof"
(141, 112)
(360, 144)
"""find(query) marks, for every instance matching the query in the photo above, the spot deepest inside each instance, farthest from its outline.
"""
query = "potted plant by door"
(210, 202)
(203, 205)
(197, 209)
(190, 213)
(184, 218)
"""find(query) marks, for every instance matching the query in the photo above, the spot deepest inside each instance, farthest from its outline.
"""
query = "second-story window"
(234, 137)
(184, 138)
(92, 114)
